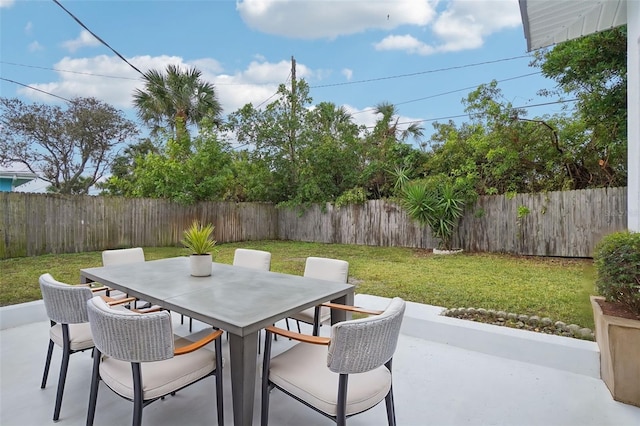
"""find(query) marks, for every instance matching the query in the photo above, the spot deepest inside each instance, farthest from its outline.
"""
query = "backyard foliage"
(594, 70)
(294, 153)
(617, 260)
(70, 148)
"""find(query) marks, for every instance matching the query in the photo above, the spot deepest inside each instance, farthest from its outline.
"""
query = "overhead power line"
(97, 38)
(420, 72)
(467, 115)
(69, 71)
(311, 87)
(449, 92)
(34, 88)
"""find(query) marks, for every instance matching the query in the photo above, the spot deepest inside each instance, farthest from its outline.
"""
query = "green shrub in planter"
(617, 260)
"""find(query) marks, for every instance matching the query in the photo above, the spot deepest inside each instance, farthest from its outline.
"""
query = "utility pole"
(293, 77)
(292, 123)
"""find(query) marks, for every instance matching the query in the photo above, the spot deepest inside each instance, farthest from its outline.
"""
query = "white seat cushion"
(302, 371)
(79, 336)
(158, 378)
(307, 315)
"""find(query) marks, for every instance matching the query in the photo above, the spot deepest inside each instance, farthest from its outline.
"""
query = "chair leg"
(341, 414)
(391, 411)
(66, 353)
(190, 324)
(138, 402)
(47, 363)
(95, 381)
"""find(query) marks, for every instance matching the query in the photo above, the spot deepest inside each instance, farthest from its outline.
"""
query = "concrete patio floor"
(446, 372)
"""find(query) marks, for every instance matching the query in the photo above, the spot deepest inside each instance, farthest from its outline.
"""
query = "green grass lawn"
(552, 287)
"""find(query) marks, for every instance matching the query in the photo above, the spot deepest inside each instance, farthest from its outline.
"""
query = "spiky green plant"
(439, 207)
(198, 238)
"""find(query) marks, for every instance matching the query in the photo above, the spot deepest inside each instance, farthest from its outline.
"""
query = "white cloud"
(6, 3)
(34, 46)
(465, 24)
(406, 43)
(348, 73)
(28, 29)
(367, 116)
(87, 77)
(84, 39)
(461, 25)
(332, 18)
(452, 25)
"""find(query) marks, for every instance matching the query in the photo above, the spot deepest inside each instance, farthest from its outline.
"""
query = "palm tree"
(176, 99)
(388, 124)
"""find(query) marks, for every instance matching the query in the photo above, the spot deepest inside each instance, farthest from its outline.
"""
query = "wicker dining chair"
(342, 375)
(138, 357)
(324, 269)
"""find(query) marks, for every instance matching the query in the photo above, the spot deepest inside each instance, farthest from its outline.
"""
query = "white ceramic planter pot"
(200, 265)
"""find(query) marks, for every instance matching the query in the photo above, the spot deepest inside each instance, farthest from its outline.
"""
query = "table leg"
(338, 315)
(243, 351)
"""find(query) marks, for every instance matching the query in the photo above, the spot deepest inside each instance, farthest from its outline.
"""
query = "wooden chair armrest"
(352, 308)
(94, 289)
(198, 344)
(113, 302)
(316, 340)
(148, 310)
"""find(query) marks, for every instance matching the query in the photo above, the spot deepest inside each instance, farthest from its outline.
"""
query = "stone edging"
(525, 322)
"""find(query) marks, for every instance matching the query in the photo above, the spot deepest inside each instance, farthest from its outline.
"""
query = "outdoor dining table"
(240, 300)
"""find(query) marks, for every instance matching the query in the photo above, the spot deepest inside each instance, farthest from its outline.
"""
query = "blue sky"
(355, 53)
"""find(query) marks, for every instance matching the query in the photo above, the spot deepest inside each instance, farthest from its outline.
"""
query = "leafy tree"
(175, 100)
(69, 148)
(297, 154)
(185, 172)
(122, 179)
(594, 70)
(273, 135)
(331, 154)
(501, 151)
(386, 151)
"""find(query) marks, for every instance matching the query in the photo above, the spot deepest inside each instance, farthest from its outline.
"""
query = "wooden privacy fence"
(35, 224)
(567, 223)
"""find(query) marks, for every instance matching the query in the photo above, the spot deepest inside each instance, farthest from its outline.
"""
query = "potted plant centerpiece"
(198, 238)
(617, 314)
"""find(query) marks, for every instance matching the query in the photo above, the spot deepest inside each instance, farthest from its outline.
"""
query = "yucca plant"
(198, 238)
(439, 207)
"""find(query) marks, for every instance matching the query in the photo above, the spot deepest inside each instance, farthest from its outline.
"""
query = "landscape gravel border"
(525, 322)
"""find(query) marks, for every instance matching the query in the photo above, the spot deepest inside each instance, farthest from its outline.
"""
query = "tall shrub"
(617, 260)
